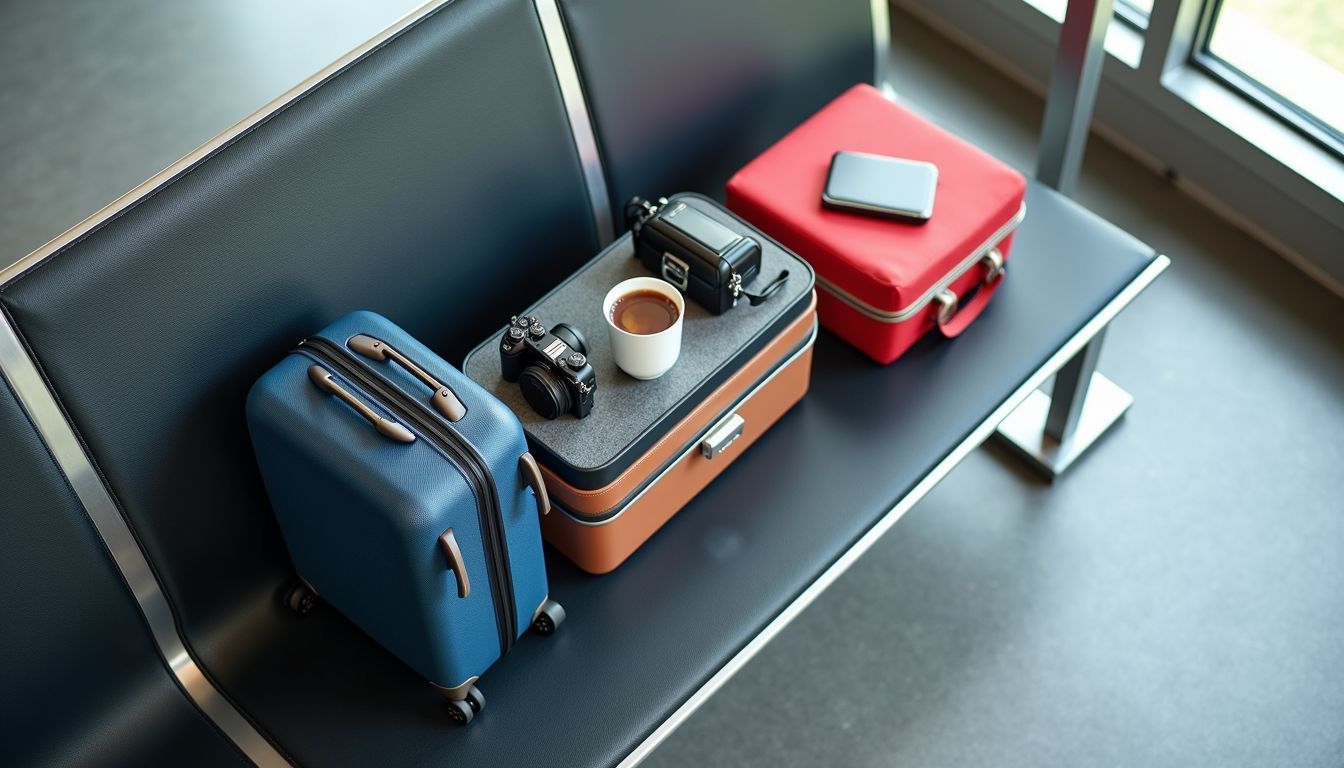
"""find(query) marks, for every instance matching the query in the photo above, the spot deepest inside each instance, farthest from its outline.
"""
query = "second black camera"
(705, 259)
(551, 368)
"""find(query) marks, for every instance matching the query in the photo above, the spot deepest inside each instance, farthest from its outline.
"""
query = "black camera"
(706, 259)
(551, 368)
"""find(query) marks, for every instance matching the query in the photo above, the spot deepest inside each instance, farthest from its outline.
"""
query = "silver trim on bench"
(576, 108)
(881, 41)
(47, 417)
(865, 542)
(38, 401)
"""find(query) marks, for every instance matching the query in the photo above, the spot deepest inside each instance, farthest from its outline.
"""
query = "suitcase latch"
(676, 271)
(993, 262)
(722, 436)
(947, 305)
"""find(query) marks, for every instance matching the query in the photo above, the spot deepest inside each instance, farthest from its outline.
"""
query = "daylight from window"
(1294, 48)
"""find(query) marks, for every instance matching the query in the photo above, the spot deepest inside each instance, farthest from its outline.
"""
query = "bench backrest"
(683, 94)
(432, 179)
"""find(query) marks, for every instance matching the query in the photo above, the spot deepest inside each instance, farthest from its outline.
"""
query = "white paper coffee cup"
(645, 356)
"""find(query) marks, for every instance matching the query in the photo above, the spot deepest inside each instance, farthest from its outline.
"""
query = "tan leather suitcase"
(648, 447)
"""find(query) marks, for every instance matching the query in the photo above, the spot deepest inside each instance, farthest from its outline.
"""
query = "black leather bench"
(440, 176)
(82, 681)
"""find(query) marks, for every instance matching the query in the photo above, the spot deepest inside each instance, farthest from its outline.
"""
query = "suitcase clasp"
(994, 266)
(676, 271)
(722, 436)
(947, 305)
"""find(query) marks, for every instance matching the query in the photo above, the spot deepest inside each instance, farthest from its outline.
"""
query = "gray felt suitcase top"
(630, 415)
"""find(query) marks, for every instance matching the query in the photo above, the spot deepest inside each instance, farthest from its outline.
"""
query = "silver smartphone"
(877, 185)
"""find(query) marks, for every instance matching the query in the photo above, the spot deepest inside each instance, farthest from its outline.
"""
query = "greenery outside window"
(1286, 56)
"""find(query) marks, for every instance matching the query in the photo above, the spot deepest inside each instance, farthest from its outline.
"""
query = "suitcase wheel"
(300, 598)
(460, 711)
(475, 699)
(549, 617)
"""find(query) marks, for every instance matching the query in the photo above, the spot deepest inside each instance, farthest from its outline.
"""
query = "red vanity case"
(883, 284)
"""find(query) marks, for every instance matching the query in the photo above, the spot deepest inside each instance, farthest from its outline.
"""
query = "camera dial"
(551, 370)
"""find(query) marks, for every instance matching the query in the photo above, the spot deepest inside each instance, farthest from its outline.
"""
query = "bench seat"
(641, 641)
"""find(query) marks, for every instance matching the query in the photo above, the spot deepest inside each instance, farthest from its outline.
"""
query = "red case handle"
(953, 319)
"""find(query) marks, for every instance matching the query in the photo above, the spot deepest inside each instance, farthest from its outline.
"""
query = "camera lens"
(543, 392)
(571, 336)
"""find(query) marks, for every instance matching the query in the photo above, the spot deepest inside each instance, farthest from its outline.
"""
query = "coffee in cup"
(644, 319)
(644, 312)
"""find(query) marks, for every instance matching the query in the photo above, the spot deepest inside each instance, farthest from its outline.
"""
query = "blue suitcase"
(407, 499)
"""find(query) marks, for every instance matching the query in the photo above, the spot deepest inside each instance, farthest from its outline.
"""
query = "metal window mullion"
(881, 40)
(1173, 30)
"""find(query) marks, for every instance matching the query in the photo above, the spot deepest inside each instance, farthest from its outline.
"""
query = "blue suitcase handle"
(388, 428)
(448, 542)
(445, 402)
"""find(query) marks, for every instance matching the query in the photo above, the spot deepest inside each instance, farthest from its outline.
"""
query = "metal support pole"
(1073, 91)
(1070, 391)
(1052, 431)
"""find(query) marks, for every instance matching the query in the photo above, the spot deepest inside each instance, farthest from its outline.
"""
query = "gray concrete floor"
(1177, 599)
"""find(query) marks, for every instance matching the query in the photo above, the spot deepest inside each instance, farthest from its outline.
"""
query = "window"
(1124, 41)
(1135, 13)
(1286, 55)
(1238, 121)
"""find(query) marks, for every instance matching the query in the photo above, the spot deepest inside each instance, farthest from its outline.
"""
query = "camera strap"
(770, 290)
(639, 210)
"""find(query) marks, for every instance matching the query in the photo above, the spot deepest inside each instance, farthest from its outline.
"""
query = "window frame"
(1167, 113)
(1126, 12)
(1257, 93)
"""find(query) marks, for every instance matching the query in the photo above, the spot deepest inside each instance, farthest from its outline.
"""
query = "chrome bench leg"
(1052, 431)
